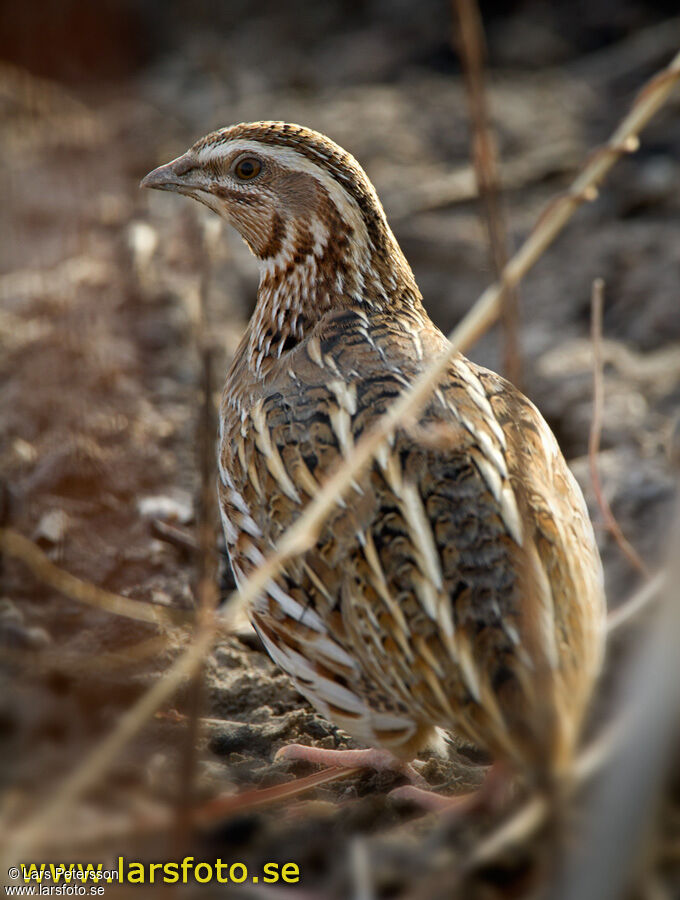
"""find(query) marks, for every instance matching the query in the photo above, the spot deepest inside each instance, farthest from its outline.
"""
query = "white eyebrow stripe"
(285, 155)
(293, 159)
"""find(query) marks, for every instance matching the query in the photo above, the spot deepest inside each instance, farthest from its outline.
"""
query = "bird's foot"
(490, 795)
(378, 759)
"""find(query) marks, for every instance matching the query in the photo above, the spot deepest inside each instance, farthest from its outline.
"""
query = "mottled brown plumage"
(457, 586)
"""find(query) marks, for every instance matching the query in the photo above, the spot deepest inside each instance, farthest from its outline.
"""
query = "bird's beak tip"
(173, 176)
(160, 178)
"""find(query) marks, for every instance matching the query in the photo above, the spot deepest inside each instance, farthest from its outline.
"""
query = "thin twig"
(597, 303)
(206, 561)
(53, 660)
(533, 813)
(5, 511)
(594, 760)
(562, 208)
(484, 158)
(303, 533)
(459, 184)
(18, 842)
(636, 604)
(182, 538)
(204, 816)
(221, 808)
(360, 869)
(16, 545)
(622, 805)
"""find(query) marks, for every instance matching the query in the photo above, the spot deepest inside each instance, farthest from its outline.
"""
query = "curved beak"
(173, 176)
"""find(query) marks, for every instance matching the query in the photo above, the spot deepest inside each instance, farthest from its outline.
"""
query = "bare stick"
(182, 538)
(204, 816)
(624, 802)
(597, 303)
(561, 209)
(303, 533)
(640, 600)
(57, 659)
(16, 545)
(206, 560)
(595, 759)
(533, 813)
(51, 814)
(221, 808)
(484, 158)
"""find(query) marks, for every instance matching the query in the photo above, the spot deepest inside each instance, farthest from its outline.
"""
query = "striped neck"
(331, 261)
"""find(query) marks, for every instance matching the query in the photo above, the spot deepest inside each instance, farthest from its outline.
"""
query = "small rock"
(213, 777)
(25, 451)
(9, 612)
(16, 636)
(52, 527)
(170, 509)
(161, 598)
(318, 728)
(247, 739)
(143, 241)
(37, 638)
(161, 773)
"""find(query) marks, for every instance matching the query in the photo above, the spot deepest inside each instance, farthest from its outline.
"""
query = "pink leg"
(490, 795)
(380, 760)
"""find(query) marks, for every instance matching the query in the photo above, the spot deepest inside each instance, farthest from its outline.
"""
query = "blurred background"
(105, 290)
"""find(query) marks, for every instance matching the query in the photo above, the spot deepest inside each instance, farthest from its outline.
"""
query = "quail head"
(457, 586)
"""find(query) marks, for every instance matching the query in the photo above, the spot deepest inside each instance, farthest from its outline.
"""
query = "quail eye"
(247, 168)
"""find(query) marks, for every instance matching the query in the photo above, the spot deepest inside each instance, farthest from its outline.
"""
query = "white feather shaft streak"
(421, 533)
(271, 454)
(303, 533)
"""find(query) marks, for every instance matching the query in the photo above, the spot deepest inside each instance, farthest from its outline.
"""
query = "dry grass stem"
(48, 660)
(622, 805)
(18, 841)
(221, 808)
(360, 867)
(207, 815)
(597, 304)
(484, 157)
(179, 537)
(636, 604)
(19, 547)
(534, 812)
(303, 533)
(561, 208)
(460, 186)
(206, 561)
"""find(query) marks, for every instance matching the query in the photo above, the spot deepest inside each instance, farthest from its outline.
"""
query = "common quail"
(457, 587)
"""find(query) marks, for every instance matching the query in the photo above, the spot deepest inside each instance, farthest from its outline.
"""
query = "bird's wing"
(453, 573)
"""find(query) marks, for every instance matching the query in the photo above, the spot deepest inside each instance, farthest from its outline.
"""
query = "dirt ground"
(100, 391)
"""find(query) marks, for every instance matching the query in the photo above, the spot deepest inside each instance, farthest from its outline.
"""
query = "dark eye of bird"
(247, 168)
